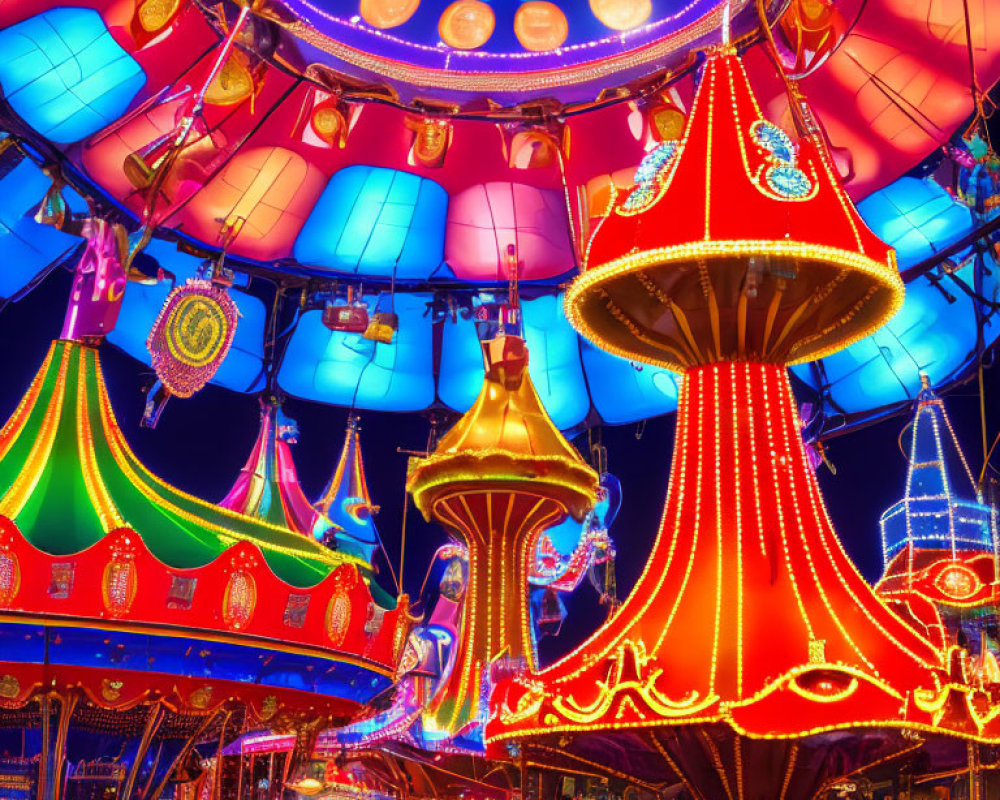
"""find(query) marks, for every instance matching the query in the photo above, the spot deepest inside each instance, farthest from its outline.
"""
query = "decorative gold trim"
(593, 279)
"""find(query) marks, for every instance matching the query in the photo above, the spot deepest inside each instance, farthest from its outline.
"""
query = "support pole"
(179, 759)
(153, 720)
(50, 766)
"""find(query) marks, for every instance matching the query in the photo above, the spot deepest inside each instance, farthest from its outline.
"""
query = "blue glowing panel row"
(934, 332)
(243, 368)
(26, 247)
(917, 217)
(571, 377)
(374, 221)
(65, 75)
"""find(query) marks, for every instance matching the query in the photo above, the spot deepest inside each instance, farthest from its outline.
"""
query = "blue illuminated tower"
(942, 509)
(939, 545)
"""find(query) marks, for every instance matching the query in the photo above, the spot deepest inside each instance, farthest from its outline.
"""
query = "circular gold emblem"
(958, 582)
(233, 84)
(154, 14)
(196, 330)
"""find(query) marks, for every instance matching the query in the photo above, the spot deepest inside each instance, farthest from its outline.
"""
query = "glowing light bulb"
(621, 15)
(466, 24)
(540, 26)
(387, 13)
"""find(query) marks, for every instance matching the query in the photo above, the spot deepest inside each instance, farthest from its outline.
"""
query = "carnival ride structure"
(386, 210)
(739, 255)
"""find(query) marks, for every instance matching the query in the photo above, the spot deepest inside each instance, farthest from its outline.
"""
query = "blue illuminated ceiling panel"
(243, 368)
(374, 221)
(348, 370)
(65, 75)
(935, 332)
(27, 247)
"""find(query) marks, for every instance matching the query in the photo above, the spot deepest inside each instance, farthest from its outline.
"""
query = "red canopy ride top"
(750, 635)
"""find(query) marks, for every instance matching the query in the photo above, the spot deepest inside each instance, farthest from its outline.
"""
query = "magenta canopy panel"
(489, 222)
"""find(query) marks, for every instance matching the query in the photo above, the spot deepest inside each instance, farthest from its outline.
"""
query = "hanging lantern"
(192, 336)
(329, 123)
(666, 121)
(348, 317)
(383, 325)
(431, 138)
(150, 18)
(540, 26)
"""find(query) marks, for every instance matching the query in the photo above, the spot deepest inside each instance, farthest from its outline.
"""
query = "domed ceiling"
(510, 50)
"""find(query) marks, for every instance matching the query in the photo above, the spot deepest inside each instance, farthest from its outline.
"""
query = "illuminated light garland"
(939, 549)
(714, 404)
(158, 491)
(579, 296)
(927, 508)
(100, 499)
(14, 499)
(464, 78)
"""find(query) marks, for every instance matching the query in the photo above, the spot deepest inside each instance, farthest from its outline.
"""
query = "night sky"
(201, 444)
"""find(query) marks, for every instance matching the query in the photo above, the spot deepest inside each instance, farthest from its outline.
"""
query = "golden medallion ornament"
(192, 336)
(155, 14)
(201, 697)
(540, 26)
(10, 576)
(111, 690)
(10, 687)
(621, 15)
(240, 600)
(233, 84)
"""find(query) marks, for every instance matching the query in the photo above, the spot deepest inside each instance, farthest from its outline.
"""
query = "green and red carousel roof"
(101, 559)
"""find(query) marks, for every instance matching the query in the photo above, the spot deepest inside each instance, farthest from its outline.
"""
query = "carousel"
(520, 223)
